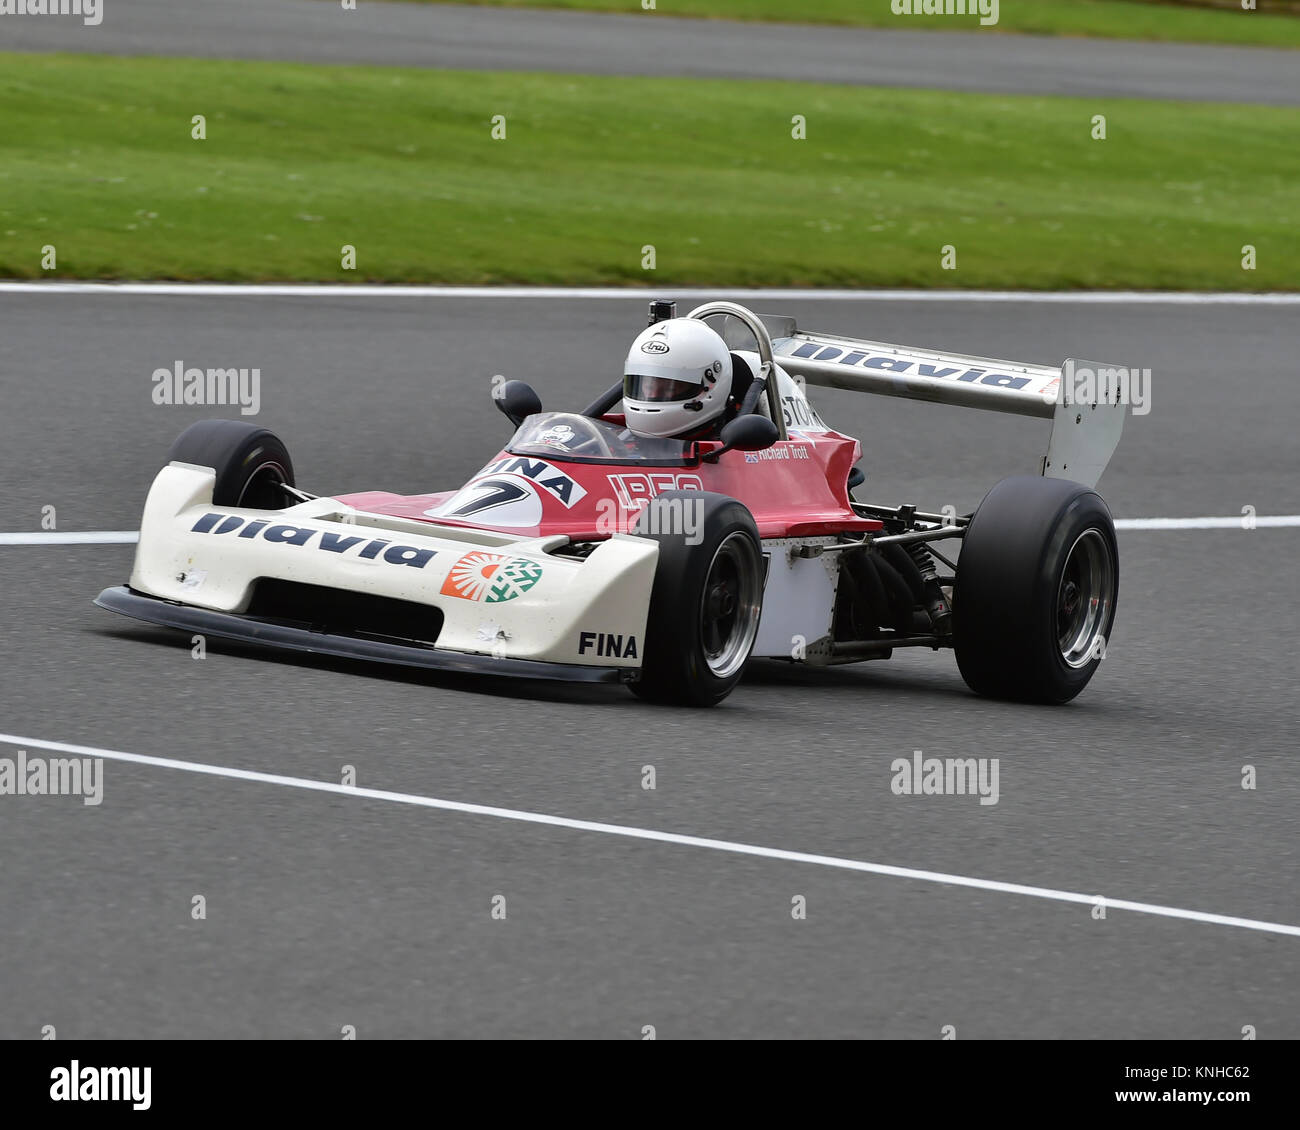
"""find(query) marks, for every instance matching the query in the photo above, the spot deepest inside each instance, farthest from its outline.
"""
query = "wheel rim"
(262, 490)
(1085, 599)
(729, 606)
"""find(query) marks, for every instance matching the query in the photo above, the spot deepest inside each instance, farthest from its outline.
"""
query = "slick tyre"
(707, 597)
(1036, 588)
(251, 462)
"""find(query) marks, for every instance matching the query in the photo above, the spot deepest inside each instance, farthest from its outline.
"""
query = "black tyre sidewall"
(1008, 577)
(236, 450)
(673, 664)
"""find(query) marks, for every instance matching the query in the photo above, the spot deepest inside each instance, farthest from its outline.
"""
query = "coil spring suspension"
(936, 603)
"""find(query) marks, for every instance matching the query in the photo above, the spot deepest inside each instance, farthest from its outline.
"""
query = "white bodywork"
(534, 606)
(798, 601)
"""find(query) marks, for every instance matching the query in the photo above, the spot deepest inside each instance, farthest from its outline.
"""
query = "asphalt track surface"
(651, 43)
(326, 910)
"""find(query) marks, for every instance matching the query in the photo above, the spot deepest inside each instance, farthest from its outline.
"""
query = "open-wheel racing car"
(583, 551)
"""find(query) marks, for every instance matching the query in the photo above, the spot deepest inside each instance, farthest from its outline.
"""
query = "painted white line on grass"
(130, 537)
(339, 290)
(84, 537)
(628, 832)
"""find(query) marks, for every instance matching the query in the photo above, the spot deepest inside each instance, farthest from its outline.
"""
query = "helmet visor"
(659, 389)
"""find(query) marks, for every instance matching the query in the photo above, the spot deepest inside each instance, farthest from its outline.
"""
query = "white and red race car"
(584, 552)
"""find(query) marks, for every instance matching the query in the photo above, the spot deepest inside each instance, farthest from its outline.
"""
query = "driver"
(677, 381)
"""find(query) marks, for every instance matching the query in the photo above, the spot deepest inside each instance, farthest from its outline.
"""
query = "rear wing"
(1084, 434)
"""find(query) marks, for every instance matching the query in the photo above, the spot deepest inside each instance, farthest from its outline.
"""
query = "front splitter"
(272, 634)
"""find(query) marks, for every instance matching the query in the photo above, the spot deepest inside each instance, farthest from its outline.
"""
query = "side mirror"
(517, 400)
(745, 433)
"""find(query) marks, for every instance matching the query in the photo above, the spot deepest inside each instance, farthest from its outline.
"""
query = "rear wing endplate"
(1085, 430)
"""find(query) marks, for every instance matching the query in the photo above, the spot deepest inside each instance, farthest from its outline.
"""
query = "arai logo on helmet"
(654, 345)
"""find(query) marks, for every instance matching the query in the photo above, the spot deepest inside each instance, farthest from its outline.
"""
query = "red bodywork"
(796, 488)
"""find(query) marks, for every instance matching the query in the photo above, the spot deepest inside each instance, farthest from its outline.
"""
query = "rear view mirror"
(745, 433)
(517, 400)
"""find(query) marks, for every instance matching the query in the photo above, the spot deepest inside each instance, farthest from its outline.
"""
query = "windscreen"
(581, 439)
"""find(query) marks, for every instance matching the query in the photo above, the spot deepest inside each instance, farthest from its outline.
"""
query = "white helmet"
(676, 378)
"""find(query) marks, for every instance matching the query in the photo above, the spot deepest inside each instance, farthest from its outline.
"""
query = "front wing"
(474, 600)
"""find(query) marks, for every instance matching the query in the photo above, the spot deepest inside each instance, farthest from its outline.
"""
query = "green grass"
(1274, 23)
(96, 159)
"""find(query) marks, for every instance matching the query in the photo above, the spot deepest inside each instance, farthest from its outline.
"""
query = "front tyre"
(1036, 589)
(706, 600)
(251, 462)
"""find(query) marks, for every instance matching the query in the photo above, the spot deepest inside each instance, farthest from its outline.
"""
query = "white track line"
(316, 290)
(652, 835)
(130, 537)
(85, 537)
(1272, 521)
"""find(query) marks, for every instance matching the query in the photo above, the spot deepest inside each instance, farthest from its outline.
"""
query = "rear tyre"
(706, 601)
(251, 462)
(1036, 589)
